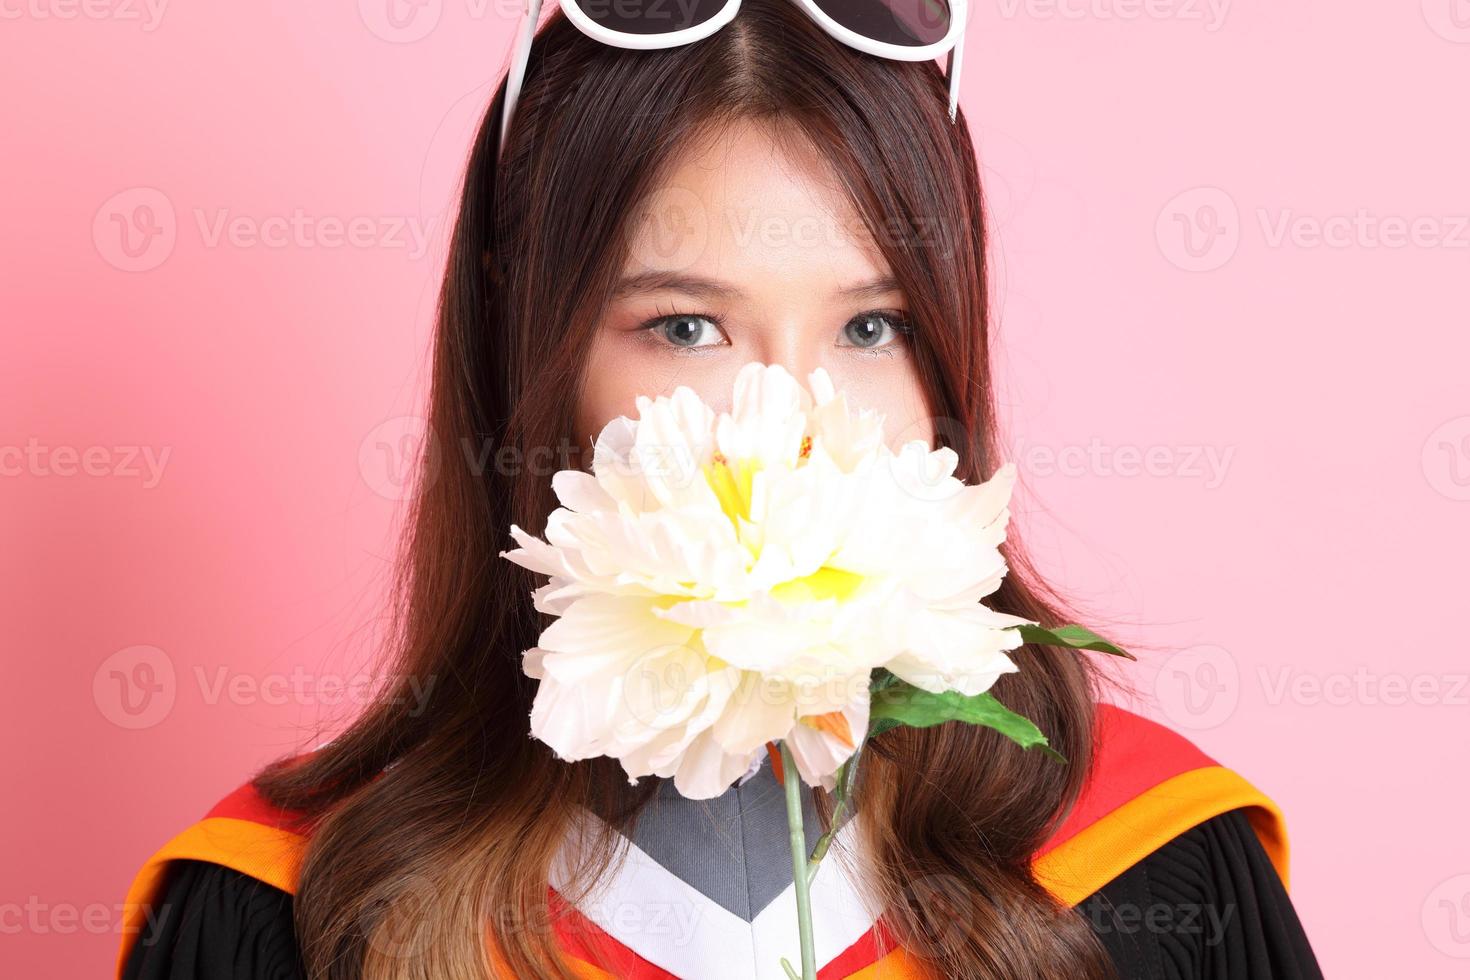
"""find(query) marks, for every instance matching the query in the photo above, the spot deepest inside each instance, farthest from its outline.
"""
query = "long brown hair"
(436, 821)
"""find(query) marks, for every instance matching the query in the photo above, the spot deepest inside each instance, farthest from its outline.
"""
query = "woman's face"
(747, 253)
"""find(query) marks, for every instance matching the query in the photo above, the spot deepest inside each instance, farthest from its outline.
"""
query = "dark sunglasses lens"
(650, 16)
(908, 23)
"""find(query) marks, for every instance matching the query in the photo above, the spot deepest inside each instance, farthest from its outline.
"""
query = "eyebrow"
(659, 279)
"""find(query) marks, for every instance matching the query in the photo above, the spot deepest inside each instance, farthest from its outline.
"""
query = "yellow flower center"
(731, 484)
(824, 583)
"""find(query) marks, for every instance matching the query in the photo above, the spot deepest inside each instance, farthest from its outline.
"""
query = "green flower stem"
(792, 780)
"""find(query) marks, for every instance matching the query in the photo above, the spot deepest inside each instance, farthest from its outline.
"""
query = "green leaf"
(1076, 637)
(901, 703)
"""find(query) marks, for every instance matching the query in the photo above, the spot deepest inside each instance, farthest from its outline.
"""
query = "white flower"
(721, 582)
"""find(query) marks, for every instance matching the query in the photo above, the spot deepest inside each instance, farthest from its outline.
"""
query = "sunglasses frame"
(952, 42)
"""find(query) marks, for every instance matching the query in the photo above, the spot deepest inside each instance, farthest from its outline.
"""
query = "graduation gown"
(1178, 863)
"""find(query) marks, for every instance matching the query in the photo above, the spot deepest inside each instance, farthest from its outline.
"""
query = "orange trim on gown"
(1148, 785)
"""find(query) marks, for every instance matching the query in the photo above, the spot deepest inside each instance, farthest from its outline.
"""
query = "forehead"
(742, 202)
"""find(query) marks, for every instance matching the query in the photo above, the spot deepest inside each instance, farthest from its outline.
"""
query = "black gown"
(1208, 904)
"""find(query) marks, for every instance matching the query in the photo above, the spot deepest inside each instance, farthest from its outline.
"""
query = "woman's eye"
(875, 329)
(686, 329)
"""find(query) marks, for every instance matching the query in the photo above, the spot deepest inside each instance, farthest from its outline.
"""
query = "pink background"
(1233, 251)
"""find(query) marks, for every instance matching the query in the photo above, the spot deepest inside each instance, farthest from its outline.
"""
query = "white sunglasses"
(904, 30)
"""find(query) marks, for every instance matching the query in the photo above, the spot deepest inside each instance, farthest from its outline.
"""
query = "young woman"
(657, 218)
